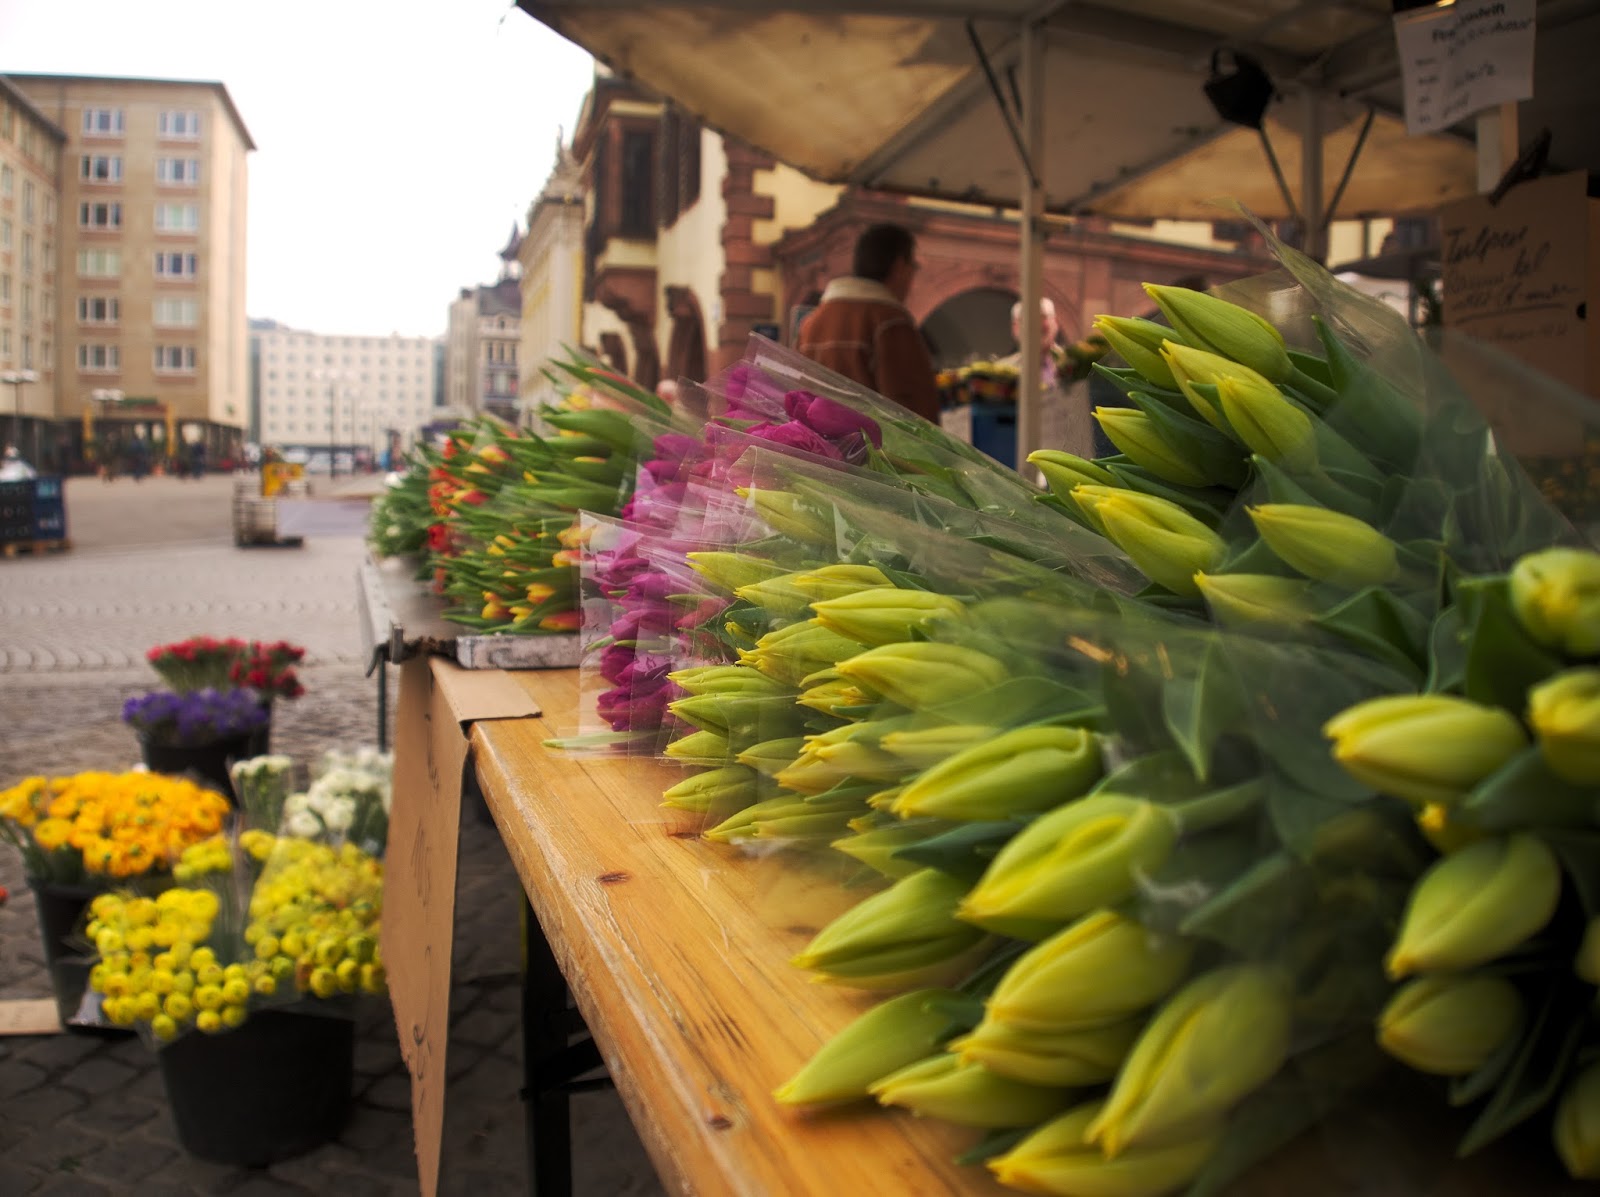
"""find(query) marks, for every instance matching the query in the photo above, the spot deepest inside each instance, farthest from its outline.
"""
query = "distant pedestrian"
(13, 468)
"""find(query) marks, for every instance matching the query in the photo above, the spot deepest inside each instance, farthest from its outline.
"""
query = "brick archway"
(941, 281)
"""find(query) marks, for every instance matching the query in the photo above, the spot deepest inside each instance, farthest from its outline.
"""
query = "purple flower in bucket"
(199, 717)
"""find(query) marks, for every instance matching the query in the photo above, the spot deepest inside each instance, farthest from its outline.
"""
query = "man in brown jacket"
(862, 329)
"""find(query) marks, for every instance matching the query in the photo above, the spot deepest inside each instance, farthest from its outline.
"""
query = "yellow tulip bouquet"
(1167, 876)
(103, 829)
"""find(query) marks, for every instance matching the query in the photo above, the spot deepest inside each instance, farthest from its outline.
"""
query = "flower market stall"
(1220, 819)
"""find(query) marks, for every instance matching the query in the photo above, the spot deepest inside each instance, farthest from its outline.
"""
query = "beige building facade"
(551, 256)
(151, 335)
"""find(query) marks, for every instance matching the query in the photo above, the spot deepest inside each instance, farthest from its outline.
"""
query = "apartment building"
(30, 153)
(481, 348)
(354, 396)
(150, 337)
(551, 255)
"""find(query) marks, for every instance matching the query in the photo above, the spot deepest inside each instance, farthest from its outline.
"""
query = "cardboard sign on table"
(439, 702)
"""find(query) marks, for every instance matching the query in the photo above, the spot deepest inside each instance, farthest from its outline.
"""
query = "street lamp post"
(18, 379)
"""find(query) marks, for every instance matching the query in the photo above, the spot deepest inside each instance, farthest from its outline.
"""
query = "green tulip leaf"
(1447, 652)
(1579, 853)
(1159, 776)
(1298, 813)
(1198, 708)
(1382, 625)
(1467, 1089)
(1251, 915)
(1212, 455)
(964, 851)
(1540, 1066)
(1208, 504)
(1502, 662)
(996, 1142)
(1525, 793)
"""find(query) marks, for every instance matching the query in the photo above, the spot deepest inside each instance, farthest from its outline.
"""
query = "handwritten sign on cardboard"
(1463, 58)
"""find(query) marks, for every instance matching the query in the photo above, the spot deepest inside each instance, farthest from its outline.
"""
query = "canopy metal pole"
(1315, 239)
(1033, 231)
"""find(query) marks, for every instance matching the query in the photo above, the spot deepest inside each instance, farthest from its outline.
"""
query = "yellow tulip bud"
(730, 571)
(925, 747)
(922, 674)
(1556, 595)
(1326, 545)
(1056, 1159)
(1016, 772)
(886, 615)
(1268, 423)
(727, 679)
(905, 935)
(699, 748)
(1139, 343)
(1224, 328)
(792, 593)
(1068, 1059)
(1193, 368)
(1167, 543)
(875, 848)
(1240, 600)
(1587, 964)
(1477, 904)
(772, 756)
(793, 653)
(1577, 1125)
(1139, 437)
(715, 791)
(1084, 855)
(1450, 1024)
(790, 515)
(1564, 711)
(1218, 1038)
(967, 1094)
(831, 693)
(1103, 968)
(1423, 747)
(1062, 471)
(1445, 834)
(887, 1038)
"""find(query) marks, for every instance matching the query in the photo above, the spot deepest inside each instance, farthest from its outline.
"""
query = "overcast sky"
(396, 140)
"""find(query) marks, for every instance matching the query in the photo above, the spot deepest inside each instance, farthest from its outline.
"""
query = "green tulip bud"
(792, 593)
(1450, 1024)
(818, 770)
(1587, 964)
(772, 756)
(785, 810)
(1241, 600)
(699, 748)
(1079, 857)
(1102, 969)
(715, 791)
(740, 717)
(1068, 1059)
(1062, 471)
(906, 935)
(925, 747)
(793, 653)
(923, 674)
(1139, 342)
(726, 679)
(830, 692)
(1577, 1125)
(1326, 545)
(1564, 711)
(790, 515)
(1056, 1159)
(1423, 747)
(1224, 328)
(729, 571)
(1196, 368)
(1016, 772)
(876, 847)
(1167, 543)
(1138, 436)
(886, 615)
(1218, 1038)
(887, 1038)
(1446, 834)
(1268, 423)
(967, 1094)
(1556, 595)
(1476, 904)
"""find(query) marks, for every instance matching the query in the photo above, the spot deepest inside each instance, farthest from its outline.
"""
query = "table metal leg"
(383, 706)
(553, 1063)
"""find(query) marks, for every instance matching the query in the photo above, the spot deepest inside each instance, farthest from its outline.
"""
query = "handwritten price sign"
(1463, 58)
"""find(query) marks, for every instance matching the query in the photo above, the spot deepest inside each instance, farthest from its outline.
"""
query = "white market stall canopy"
(895, 94)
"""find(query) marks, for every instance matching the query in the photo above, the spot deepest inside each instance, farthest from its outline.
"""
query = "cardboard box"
(1523, 276)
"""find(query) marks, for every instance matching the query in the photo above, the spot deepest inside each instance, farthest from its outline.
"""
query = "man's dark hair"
(879, 247)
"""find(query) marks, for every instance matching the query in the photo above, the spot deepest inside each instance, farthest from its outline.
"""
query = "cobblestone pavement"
(152, 562)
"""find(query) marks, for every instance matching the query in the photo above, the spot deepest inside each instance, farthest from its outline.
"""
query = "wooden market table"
(676, 951)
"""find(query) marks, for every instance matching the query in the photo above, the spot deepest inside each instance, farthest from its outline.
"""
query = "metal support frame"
(554, 1062)
(1314, 236)
(1032, 150)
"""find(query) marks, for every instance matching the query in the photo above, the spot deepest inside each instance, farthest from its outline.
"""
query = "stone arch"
(941, 281)
(971, 324)
(686, 343)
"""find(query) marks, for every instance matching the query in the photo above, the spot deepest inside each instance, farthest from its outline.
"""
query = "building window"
(175, 358)
(8, 122)
(8, 181)
(27, 302)
(178, 123)
(178, 313)
(5, 288)
(99, 263)
(99, 216)
(99, 309)
(27, 201)
(177, 218)
(177, 265)
(100, 168)
(27, 253)
(185, 171)
(638, 207)
(102, 122)
(99, 357)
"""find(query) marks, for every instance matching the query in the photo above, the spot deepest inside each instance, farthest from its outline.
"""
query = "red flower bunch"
(206, 662)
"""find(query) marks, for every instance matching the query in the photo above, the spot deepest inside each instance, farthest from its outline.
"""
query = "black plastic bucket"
(277, 1087)
(206, 764)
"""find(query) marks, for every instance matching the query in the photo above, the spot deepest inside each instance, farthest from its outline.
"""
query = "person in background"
(1064, 419)
(1049, 333)
(862, 329)
(13, 468)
